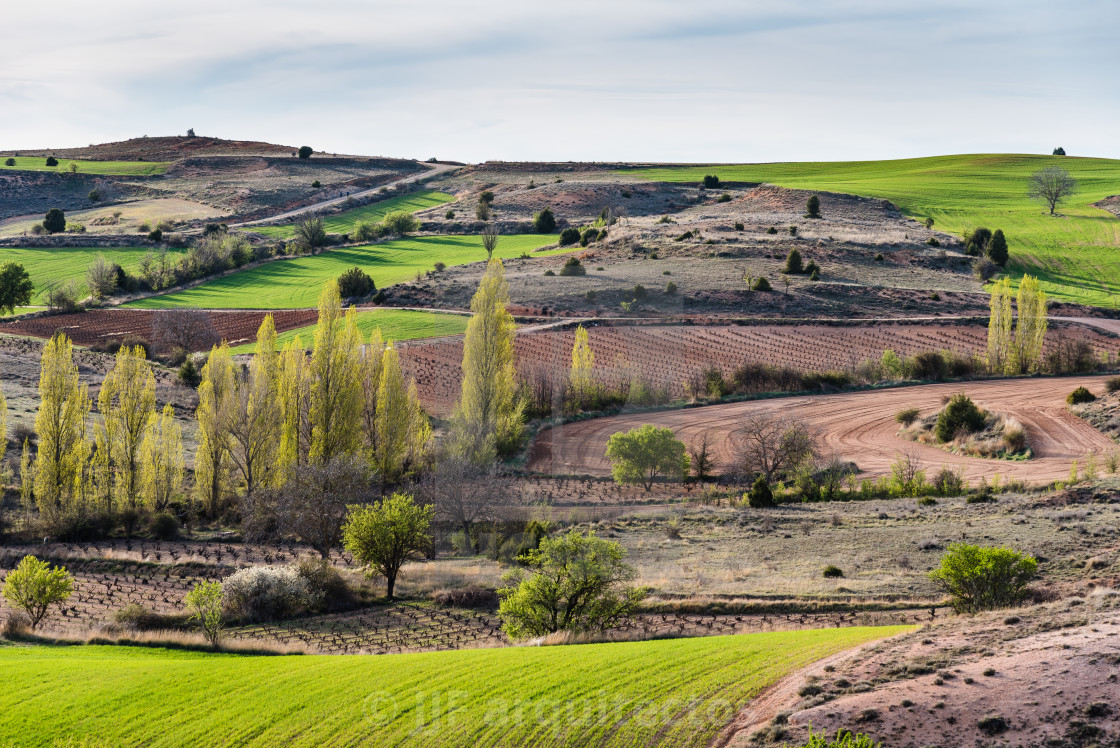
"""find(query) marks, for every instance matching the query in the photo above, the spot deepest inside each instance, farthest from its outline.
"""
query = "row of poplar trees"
(259, 423)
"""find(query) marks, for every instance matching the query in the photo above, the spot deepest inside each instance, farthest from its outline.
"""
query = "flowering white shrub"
(266, 592)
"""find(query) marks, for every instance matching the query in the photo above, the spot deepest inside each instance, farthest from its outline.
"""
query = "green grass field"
(296, 283)
(343, 223)
(50, 265)
(1076, 255)
(681, 692)
(395, 324)
(115, 168)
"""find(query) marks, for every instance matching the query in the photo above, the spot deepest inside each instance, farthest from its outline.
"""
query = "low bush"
(711, 181)
(136, 617)
(1080, 396)
(569, 236)
(670, 288)
(832, 572)
(724, 198)
(573, 267)
(843, 739)
(772, 230)
(265, 593)
(364, 231)
(466, 597)
(793, 231)
(762, 284)
(544, 222)
(979, 578)
(163, 526)
(739, 226)
(760, 496)
(52, 161)
(355, 283)
(1112, 384)
(961, 414)
(907, 416)
(327, 589)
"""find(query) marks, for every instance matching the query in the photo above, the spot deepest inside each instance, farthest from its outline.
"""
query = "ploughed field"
(294, 283)
(673, 692)
(1073, 254)
(861, 427)
(665, 356)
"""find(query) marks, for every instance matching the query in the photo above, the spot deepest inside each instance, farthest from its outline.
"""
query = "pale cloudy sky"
(649, 80)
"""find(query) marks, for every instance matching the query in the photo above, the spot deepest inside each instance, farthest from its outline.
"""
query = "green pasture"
(1076, 255)
(108, 168)
(50, 265)
(674, 692)
(296, 283)
(343, 223)
(395, 324)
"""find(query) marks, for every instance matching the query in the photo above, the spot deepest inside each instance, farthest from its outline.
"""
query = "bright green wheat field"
(115, 168)
(296, 283)
(50, 265)
(1076, 255)
(343, 223)
(395, 324)
(621, 694)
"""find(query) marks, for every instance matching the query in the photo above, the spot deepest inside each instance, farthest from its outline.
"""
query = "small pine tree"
(997, 248)
(760, 496)
(544, 222)
(761, 284)
(813, 207)
(55, 221)
(794, 264)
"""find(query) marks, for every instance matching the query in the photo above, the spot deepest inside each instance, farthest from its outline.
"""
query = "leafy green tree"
(544, 222)
(384, 537)
(55, 221)
(34, 587)
(355, 283)
(573, 583)
(813, 207)
(997, 248)
(640, 455)
(9, 161)
(204, 603)
(486, 197)
(311, 232)
(401, 223)
(15, 287)
(981, 578)
(305, 151)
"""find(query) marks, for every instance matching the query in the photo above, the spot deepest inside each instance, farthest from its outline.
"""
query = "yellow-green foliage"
(582, 377)
(161, 460)
(215, 400)
(335, 372)
(34, 586)
(383, 537)
(1016, 351)
(127, 401)
(255, 422)
(63, 454)
(676, 692)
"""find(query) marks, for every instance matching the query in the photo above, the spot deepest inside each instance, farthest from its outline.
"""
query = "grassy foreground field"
(50, 265)
(296, 283)
(115, 168)
(343, 223)
(395, 324)
(1076, 255)
(681, 692)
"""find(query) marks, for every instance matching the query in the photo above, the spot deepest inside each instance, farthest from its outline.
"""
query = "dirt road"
(433, 169)
(861, 427)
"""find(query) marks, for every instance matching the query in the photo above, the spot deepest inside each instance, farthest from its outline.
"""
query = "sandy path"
(860, 427)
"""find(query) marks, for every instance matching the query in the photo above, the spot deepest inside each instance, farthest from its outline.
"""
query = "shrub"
(949, 482)
(316, 184)
(813, 207)
(482, 211)
(163, 526)
(265, 593)
(138, 618)
(760, 495)
(544, 222)
(74, 227)
(739, 226)
(327, 589)
(54, 221)
(724, 198)
(997, 248)
(961, 414)
(793, 231)
(772, 231)
(711, 181)
(486, 197)
(189, 374)
(569, 236)
(980, 578)
(879, 257)
(305, 151)
(670, 288)
(932, 241)
(907, 416)
(94, 196)
(204, 603)
(155, 235)
(1080, 396)
(832, 572)
(33, 587)
(794, 263)
(364, 231)
(683, 237)
(761, 284)
(640, 455)
(9, 161)
(1112, 384)
(573, 267)
(440, 266)
(550, 273)
(466, 597)
(976, 241)
(52, 161)
(843, 739)
(355, 283)
(401, 222)
(1059, 151)
(449, 215)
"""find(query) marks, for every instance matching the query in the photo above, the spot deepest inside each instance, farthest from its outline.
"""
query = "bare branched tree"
(1052, 185)
(312, 505)
(700, 456)
(490, 240)
(772, 445)
(101, 277)
(465, 494)
(189, 329)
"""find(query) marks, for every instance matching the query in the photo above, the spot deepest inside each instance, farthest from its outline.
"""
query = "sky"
(614, 80)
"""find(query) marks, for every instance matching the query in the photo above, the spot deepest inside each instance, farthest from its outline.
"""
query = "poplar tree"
(489, 418)
(999, 327)
(255, 422)
(3, 425)
(61, 427)
(1030, 329)
(335, 379)
(294, 399)
(161, 460)
(371, 383)
(127, 402)
(26, 476)
(215, 405)
(402, 428)
(583, 360)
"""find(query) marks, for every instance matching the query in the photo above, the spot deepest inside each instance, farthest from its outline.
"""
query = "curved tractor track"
(861, 427)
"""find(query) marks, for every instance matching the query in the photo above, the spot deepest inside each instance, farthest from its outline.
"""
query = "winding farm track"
(860, 427)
